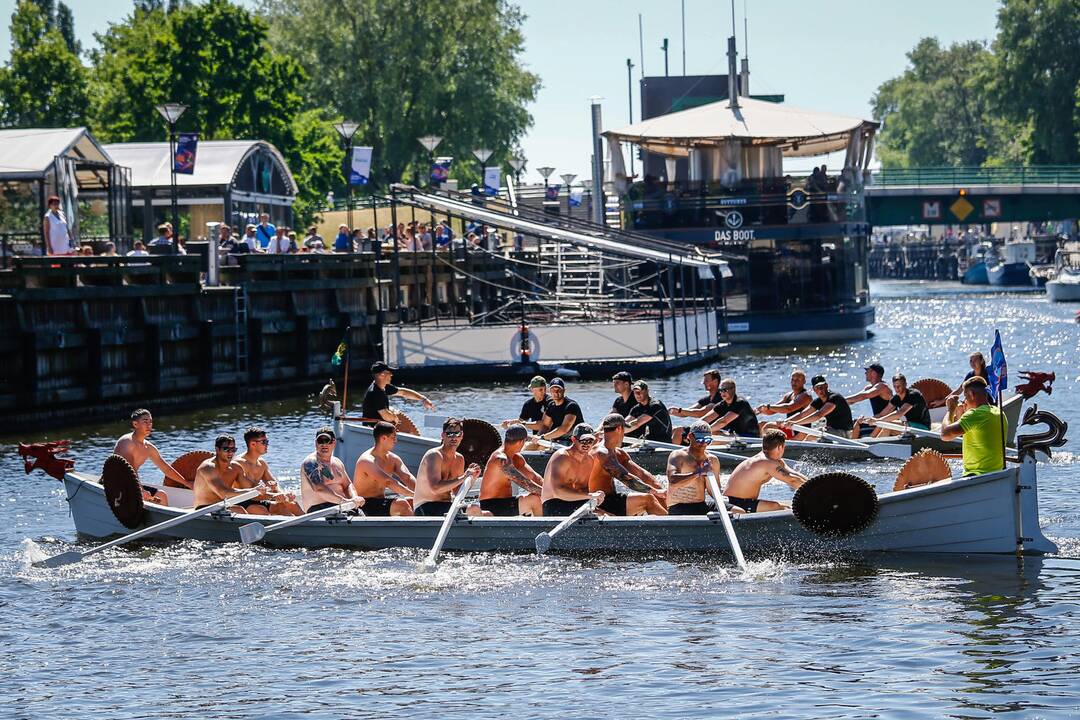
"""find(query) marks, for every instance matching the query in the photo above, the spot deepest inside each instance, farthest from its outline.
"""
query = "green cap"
(538, 381)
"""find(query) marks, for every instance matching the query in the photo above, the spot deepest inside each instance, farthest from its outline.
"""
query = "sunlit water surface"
(195, 630)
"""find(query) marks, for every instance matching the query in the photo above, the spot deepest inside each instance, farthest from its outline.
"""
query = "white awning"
(216, 164)
(27, 154)
(755, 122)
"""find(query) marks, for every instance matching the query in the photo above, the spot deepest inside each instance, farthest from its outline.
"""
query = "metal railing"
(965, 176)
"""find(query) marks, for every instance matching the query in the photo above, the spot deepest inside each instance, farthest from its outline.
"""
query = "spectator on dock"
(313, 238)
(86, 250)
(251, 240)
(425, 237)
(265, 232)
(343, 240)
(138, 250)
(410, 242)
(164, 236)
(58, 237)
(110, 250)
(281, 244)
(443, 235)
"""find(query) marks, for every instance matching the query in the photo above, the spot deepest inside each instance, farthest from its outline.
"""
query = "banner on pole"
(360, 170)
(997, 372)
(186, 146)
(551, 192)
(440, 170)
(575, 198)
(492, 179)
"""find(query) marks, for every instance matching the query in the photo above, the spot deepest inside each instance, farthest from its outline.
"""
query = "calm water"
(195, 631)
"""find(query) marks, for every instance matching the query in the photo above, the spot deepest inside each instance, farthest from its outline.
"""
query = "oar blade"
(67, 558)
(891, 450)
(543, 543)
(429, 565)
(252, 533)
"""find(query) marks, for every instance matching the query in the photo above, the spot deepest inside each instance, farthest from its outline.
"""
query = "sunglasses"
(701, 438)
(453, 433)
(263, 441)
(230, 449)
(587, 442)
(324, 441)
(727, 389)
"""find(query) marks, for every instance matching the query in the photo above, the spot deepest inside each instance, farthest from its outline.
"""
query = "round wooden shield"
(406, 425)
(479, 441)
(835, 504)
(933, 390)
(924, 467)
(123, 491)
(187, 464)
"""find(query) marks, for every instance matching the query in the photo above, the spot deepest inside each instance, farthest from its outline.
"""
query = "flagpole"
(345, 385)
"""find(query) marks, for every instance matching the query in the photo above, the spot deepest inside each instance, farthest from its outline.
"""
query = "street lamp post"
(430, 142)
(517, 162)
(482, 154)
(545, 172)
(346, 129)
(630, 102)
(568, 178)
(172, 112)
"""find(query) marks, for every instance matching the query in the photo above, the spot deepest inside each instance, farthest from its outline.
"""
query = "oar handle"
(459, 498)
(725, 520)
(917, 432)
(325, 512)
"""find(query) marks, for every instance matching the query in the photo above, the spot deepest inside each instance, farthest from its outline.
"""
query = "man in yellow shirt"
(982, 427)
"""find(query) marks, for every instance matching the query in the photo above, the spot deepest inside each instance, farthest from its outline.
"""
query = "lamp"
(172, 112)
(347, 129)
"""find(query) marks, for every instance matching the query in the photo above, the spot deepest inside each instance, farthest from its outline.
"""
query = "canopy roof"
(27, 154)
(217, 163)
(755, 122)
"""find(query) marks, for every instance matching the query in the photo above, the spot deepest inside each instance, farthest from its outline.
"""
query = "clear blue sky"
(829, 55)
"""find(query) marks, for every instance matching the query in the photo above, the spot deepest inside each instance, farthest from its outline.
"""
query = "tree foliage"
(44, 83)
(407, 68)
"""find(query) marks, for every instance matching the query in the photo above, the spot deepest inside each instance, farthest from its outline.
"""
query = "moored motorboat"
(1064, 283)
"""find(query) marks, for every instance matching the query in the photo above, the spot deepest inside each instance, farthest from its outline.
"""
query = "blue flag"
(998, 372)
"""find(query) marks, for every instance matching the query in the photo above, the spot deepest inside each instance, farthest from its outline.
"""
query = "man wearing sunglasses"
(566, 478)
(732, 413)
(256, 471)
(441, 472)
(324, 481)
(687, 473)
(217, 477)
(613, 463)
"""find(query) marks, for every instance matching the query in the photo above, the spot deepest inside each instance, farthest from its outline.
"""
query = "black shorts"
(501, 507)
(377, 506)
(432, 509)
(745, 503)
(614, 503)
(561, 508)
(694, 508)
(322, 506)
(248, 503)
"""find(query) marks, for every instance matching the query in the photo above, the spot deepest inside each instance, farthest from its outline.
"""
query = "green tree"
(65, 23)
(1037, 78)
(407, 68)
(44, 83)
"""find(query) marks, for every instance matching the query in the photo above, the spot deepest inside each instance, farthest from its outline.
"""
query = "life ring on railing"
(835, 504)
(123, 491)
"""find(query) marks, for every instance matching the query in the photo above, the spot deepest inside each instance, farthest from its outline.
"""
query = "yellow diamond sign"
(961, 209)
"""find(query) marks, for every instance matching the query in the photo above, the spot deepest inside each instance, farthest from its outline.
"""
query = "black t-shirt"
(659, 426)
(623, 407)
(840, 417)
(708, 400)
(918, 413)
(746, 424)
(984, 375)
(376, 400)
(532, 410)
(558, 413)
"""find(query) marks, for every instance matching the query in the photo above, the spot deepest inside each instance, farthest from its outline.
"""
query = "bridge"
(973, 195)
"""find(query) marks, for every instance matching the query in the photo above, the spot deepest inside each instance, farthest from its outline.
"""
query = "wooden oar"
(431, 562)
(883, 450)
(254, 532)
(917, 432)
(725, 520)
(74, 556)
(733, 457)
(543, 540)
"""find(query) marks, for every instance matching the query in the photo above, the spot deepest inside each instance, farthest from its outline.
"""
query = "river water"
(191, 630)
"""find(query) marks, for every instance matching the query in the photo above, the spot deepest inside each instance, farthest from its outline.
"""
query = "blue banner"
(551, 192)
(184, 160)
(997, 372)
(440, 170)
(360, 167)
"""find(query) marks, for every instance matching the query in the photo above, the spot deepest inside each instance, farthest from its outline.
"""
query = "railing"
(964, 176)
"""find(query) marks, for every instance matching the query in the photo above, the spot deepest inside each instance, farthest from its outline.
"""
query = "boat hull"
(1059, 291)
(1009, 274)
(962, 516)
(976, 275)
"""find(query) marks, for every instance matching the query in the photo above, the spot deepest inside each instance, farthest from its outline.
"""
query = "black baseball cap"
(623, 375)
(876, 367)
(818, 380)
(379, 366)
(557, 382)
(583, 430)
(612, 421)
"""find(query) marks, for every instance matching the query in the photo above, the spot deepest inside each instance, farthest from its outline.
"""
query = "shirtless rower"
(506, 468)
(216, 478)
(566, 478)
(532, 412)
(711, 381)
(135, 448)
(378, 470)
(376, 404)
(749, 476)
(876, 391)
(793, 402)
(324, 481)
(256, 471)
(613, 463)
(687, 473)
(441, 472)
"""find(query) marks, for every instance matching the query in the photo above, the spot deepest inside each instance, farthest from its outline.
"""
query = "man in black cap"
(561, 413)
(376, 404)
(649, 418)
(829, 405)
(876, 391)
(566, 478)
(624, 400)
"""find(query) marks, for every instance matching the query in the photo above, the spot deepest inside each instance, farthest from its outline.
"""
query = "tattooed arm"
(526, 483)
(619, 472)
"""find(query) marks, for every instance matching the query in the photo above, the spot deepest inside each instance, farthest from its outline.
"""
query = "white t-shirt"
(138, 253)
(280, 245)
(58, 233)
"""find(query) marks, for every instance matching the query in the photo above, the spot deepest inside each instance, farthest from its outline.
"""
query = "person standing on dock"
(792, 403)
(532, 412)
(561, 413)
(58, 237)
(687, 473)
(612, 463)
(441, 472)
(136, 449)
(624, 396)
(378, 470)
(376, 404)
(265, 232)
(981, 425)
(506, 468)
(566, 477)
(829, 405)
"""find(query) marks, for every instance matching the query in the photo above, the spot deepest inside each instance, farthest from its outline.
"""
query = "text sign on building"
(733, 235)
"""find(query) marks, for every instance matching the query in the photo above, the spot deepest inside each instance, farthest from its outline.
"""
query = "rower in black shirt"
(649, 418)
(732, 413)
(376, 405)
(532, 412)
(829, 405)
(907, 405)
(624, 398)
(711, 381)
(561, 413)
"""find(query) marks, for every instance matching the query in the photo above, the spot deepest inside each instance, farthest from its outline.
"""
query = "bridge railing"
(965, 176)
